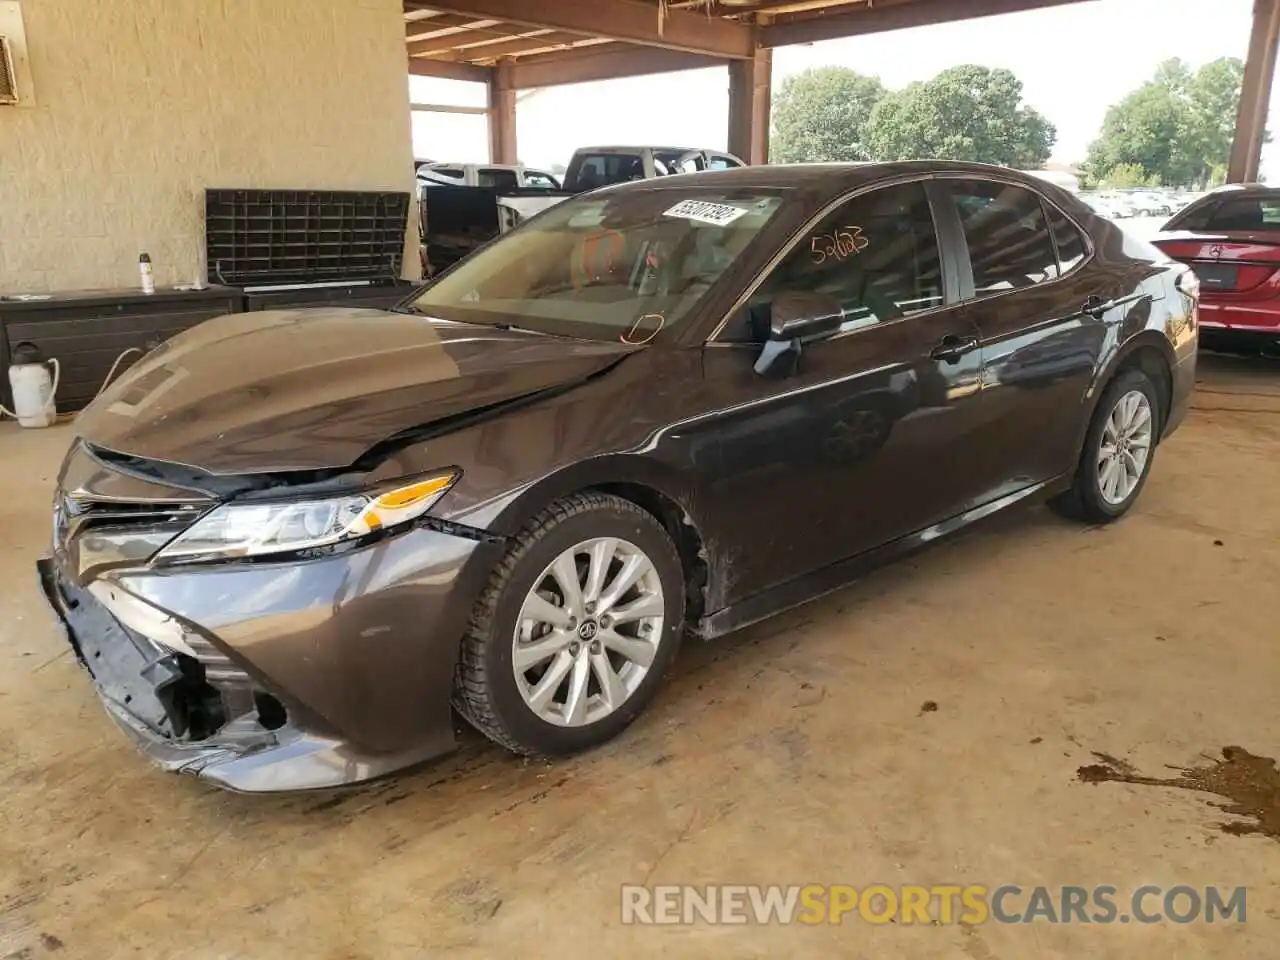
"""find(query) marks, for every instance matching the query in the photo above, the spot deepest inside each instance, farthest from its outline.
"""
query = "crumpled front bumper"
(301, 691)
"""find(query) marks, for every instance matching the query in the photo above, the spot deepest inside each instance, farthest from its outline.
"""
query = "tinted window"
(877, 255)
(590, 170)
(540, 180)
(678, 161)
(493, 177)
(1244, 213)
(1009, 241)
(1067, 238)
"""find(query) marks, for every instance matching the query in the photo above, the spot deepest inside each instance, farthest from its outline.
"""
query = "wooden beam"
(629, 21)
(811, 28)
(604, 62)
(540, 42)
(419, 67)
(447, 108)
(502, 115)
(440, 24)
(750, 92)
(1255, 93)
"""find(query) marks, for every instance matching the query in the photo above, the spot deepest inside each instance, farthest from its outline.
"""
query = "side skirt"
(827, 580)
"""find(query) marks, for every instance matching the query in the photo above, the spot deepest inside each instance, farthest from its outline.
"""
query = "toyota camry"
(288, 545)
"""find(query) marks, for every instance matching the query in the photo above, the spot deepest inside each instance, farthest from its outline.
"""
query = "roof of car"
(831, 177)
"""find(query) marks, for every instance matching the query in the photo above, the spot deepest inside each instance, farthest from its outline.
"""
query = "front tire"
(568, 642)
(1118, 451)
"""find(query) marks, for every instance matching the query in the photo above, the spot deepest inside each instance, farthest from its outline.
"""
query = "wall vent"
(8, 76)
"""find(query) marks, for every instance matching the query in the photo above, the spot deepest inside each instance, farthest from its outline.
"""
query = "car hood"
(288, 390)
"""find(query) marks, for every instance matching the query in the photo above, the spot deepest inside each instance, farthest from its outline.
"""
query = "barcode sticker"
(704, 211)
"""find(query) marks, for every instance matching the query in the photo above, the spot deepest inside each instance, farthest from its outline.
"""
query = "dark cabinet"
(86, 331)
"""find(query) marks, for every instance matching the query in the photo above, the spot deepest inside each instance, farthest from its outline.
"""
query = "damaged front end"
(301, 669)
(184, 701)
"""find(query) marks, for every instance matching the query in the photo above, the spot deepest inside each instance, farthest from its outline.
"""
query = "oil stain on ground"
(1249, 784)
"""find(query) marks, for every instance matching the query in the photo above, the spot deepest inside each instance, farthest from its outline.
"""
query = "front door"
(855, 448)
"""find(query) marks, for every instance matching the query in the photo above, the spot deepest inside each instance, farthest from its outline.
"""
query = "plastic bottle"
(33, 387)
(144, 270)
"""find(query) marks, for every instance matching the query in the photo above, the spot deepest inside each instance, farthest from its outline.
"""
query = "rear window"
(501, 179)
(590, 170)
(1067, 238)
(1232, 213)
(1009, 241)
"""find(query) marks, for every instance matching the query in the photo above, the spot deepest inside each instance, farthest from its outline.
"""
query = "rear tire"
(591, 655)
(1118, 451)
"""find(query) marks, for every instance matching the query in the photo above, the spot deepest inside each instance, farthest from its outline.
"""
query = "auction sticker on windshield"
(718, 214)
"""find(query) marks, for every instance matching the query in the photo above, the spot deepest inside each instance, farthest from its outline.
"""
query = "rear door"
(1025, 285)
(856, 447)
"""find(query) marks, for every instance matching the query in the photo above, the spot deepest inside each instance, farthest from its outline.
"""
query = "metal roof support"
(750, 96)
(502, 114)
(1255, 96)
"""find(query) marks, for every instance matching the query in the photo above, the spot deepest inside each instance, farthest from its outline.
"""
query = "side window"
(494, 177)
(877, 255)
(540, 180)
(1066, 237)
(1009, 242)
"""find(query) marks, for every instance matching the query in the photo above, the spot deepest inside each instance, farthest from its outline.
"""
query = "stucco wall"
(142, 104)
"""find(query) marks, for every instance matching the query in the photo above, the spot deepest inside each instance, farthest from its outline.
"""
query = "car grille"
(80, 514)
(103, 517)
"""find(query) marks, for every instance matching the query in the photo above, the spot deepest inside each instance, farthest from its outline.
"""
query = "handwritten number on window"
(838, 245)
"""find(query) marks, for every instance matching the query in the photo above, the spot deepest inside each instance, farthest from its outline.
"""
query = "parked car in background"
(1148, 204)
(669, 406)
(1231, 238)
(592, 167)
(494, 175)
(464, 222)
(1102, 206)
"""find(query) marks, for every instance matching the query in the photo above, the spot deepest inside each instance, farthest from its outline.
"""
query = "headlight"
(254, 529)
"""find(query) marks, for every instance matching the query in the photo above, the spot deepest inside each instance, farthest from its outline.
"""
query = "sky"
(1074, 61)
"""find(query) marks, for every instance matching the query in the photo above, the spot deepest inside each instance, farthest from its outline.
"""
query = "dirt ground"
(799, 751)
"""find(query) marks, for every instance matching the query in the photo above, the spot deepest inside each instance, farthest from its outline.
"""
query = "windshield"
(623, 266)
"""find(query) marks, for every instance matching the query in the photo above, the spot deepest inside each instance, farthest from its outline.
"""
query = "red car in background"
(1231, 239)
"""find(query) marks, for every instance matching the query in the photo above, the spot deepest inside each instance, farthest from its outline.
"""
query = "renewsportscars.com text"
(970, 904)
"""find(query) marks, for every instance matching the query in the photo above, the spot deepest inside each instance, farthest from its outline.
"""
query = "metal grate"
(259, 237)
(8, 78)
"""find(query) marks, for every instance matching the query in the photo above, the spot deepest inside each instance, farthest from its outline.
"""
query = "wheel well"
(693, 554)
(1152, 362)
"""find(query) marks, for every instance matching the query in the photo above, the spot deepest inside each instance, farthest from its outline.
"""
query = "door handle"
(951, 348)
(1096, 307)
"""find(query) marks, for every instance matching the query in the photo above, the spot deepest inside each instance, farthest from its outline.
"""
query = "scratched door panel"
(856, 446)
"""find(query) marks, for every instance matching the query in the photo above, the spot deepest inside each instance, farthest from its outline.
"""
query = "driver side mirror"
(794, 319)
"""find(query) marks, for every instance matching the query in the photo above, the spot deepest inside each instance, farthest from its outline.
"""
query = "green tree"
(821, 115)
(1128, 175)
(964, 113)
(1177, 127)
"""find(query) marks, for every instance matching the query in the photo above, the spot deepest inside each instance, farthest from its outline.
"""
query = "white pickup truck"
(464, 223)
(497, 175)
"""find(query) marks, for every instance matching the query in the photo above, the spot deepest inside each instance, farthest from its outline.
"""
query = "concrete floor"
(795, 752)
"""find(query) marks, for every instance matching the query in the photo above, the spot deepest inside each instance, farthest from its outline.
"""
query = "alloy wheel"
(1125, 449)
(588, 631)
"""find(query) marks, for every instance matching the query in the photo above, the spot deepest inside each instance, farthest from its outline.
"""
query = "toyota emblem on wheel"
(588, 630)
